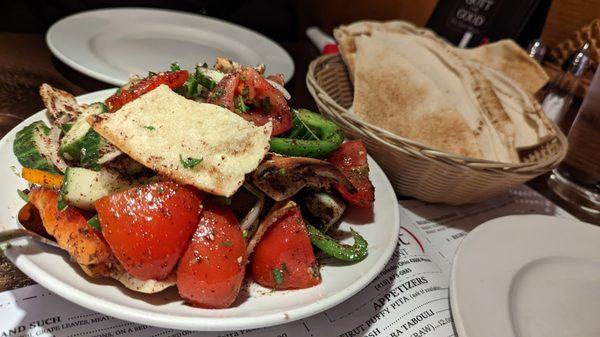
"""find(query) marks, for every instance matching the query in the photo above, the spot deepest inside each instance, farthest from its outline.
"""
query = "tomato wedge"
(351, 159)
(223, 93)
(261, 101)
(211, 270)
(70, 228)
(148, 227)
(173, 79)
(284, 257)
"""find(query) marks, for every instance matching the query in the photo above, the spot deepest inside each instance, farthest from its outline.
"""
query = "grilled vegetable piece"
(212, 269)
(42, 178)
(83, 187)
(115, 270)
(31, 147)
(341, 251)
(311, 136)
(326, 209)
(81, 143)
(173, 79)
(351, 159)
(69, 228)
(61, 105)
(282, 177)
(148, 227)
(284, 258)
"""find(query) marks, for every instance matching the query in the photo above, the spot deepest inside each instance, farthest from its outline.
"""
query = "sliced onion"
(281, 89)
(53, 146)
(252, 216)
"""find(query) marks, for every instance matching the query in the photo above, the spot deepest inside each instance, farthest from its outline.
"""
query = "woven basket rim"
(422, 150)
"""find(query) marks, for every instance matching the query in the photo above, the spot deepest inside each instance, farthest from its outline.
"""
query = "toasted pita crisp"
(417, 89)
(200, 144)
(508, 58)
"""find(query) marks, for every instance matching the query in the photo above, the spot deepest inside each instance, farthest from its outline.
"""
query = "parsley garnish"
(189, 162)
(94, 223)
(240, 106)
(23, 195)
(277, 276)
(216, 93)
(149, 127)
(175, 66)
(226, 244)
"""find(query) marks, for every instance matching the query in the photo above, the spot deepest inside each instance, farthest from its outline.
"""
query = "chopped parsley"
(23, 195)
(277, 276)
(94, 223)
(240, 106)
(282, 171)
(151, 73)
(226, 244)
(149, 127)
(189, 162)
(216, 93)
(175, 66)
(245, 233)
(204, 65)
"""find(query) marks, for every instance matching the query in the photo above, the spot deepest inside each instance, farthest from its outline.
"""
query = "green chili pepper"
(312, 136)
(341, 251)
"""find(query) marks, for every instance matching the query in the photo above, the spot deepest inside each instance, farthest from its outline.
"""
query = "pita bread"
(502, 77)
(504, 55)
(165, 131)
(532, 126)
(415, 88)
(508, 58)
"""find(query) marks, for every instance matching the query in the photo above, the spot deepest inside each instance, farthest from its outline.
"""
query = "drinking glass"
(577, 178)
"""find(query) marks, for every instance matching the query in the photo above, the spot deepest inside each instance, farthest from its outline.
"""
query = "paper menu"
(408, 298)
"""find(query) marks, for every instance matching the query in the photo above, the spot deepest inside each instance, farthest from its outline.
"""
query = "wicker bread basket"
(417, 170)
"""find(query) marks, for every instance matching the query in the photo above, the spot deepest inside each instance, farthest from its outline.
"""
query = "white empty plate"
(112, 44)
(52, 268)
(527, 276)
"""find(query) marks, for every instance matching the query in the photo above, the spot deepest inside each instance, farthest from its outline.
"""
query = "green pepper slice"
(341, 251)
(312, 136)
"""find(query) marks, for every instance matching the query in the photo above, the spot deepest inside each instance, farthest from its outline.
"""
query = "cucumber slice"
(82, 187)
(208, 78)
(81, 143)
(31, 147)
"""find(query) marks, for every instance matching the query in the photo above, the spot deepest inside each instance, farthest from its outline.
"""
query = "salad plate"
(111, 44)
(527, 275)
(255, 307)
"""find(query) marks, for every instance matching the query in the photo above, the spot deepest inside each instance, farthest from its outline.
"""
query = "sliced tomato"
(173, 79)
(211, 271)
(284, 257)
(224, 92)
(266, 103)
(351, 159)
(70, 228)
(148, 227)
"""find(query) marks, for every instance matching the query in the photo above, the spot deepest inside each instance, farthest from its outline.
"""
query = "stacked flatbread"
(477, 103)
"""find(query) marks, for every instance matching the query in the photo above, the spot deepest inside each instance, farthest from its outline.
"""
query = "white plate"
(111, 44)
(527, 275)
(51, 267)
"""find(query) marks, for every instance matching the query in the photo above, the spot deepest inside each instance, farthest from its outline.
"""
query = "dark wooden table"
(26, 63)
